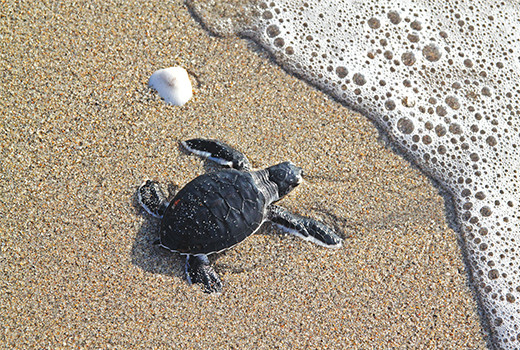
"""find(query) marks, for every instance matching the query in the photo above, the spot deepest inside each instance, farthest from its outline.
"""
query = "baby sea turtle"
(217, 210)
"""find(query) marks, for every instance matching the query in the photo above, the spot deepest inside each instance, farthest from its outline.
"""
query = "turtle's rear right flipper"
(199, 270)
(305, 228)
(217, 151)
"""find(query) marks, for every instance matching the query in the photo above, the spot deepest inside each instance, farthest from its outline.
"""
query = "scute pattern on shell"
(212, 213)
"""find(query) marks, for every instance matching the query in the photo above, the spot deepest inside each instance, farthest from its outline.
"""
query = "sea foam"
(441, 78)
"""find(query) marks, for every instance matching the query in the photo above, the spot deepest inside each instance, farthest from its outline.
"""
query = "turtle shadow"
(147, 254)
(341, 225)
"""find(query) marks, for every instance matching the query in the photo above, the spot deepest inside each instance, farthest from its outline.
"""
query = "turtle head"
(286, 176)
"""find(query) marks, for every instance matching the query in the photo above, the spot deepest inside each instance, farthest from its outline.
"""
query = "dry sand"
(80, 131)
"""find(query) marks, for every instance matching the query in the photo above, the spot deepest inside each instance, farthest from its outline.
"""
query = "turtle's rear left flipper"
(217, 151)
(305, 228)
(152, 198)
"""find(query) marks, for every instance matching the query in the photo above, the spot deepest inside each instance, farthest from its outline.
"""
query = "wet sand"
(80, 131)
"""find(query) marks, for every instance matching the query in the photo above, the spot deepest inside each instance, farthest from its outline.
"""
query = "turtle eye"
(286, 176)
(278, 175)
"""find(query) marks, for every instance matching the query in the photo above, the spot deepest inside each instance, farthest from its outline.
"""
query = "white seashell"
(173, 85)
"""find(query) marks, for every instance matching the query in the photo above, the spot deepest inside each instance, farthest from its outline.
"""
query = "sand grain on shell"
(80, 131)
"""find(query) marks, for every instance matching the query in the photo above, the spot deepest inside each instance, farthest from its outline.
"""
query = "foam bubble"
(173, 85)
(442, 79)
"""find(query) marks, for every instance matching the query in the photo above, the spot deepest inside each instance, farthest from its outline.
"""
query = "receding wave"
(442, 80)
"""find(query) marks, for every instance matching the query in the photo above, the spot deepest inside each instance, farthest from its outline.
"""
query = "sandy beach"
(80, 131)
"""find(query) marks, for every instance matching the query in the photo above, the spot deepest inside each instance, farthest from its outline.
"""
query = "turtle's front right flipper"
(217, 151)
(199, 270)
(305, 228)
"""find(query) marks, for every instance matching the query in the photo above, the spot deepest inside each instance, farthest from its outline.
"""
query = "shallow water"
(441, 80)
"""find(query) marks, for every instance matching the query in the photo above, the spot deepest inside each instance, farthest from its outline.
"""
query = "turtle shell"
(213, 212)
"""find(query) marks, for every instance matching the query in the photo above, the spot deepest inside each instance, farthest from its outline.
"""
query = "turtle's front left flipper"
(219, 152)
(199, 270)
(303, 227)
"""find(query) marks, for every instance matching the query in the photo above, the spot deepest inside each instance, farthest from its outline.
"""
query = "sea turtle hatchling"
(217, 210)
